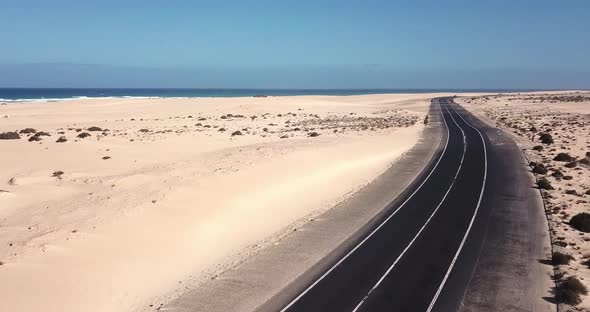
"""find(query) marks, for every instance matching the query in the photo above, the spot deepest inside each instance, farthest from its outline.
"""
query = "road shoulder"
(511, 271)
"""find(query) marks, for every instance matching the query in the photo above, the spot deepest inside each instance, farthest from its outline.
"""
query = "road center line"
(425, 224)
(380, 225)
(442, 284)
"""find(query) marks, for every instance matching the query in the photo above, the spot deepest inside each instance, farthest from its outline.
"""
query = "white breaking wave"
(78, 98)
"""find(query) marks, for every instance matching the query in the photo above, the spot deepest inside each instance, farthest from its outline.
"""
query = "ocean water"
(54, 94)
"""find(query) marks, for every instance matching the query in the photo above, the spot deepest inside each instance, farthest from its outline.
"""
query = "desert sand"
(563, 162)
(106, 204)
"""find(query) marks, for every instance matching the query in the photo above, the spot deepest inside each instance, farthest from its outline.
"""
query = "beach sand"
(176, 190)
(566, 117)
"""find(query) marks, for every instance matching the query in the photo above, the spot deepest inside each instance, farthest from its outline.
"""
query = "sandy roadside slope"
(565, 116)
(171, 193)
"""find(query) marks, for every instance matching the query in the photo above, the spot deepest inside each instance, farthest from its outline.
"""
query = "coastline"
(23, 95)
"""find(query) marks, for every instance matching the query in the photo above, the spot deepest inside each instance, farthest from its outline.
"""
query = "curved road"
(424, 255)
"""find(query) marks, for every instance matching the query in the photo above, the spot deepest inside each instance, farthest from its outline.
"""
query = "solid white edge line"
(442, 284)
(425, 224)
(376, 229)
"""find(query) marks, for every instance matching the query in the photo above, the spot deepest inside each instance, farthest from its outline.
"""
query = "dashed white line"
(376, 229)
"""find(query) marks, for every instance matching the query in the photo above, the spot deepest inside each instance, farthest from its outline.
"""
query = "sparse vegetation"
(9, 136)
(559, 258)
(28, 130)
(539, 169)
(61, 139)
(544, 184)
(83, 135)
(236, 133)
(569, 291)
(57, 174)
(546, 138)
(37, 136)
(563, 157)
(557, 174)
(538, 148)
(94, 128)
(581, 222)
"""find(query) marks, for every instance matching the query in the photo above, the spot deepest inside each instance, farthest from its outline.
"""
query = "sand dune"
(167, 193)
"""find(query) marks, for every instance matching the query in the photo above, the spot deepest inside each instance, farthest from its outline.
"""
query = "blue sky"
(295, 44)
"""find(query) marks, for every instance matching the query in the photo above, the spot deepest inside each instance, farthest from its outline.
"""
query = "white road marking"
(376, 229)
(442, 284)
(425, 224)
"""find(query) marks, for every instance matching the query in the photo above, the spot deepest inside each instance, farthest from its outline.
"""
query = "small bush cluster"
(28, 130)
(539, 169)
(544, 184)
(581, 222)
(9, 136)
(37, 136)
(546, 138)
(557, 174)
(563, 157)
(569, 291)
(559, 258)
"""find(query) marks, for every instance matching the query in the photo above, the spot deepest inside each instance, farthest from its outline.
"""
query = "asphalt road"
(425, 252)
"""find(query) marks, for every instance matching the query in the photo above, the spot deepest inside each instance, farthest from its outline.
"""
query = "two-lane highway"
(405, 262)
